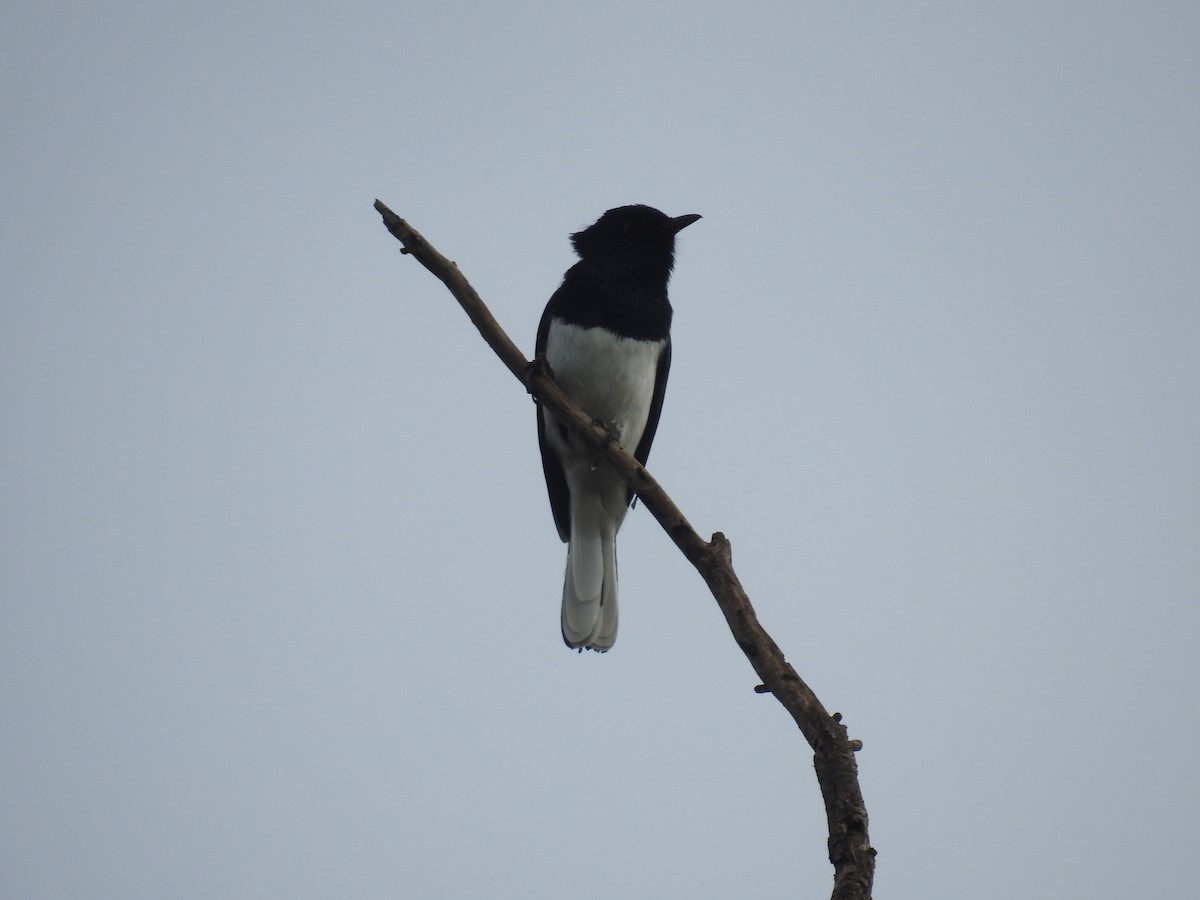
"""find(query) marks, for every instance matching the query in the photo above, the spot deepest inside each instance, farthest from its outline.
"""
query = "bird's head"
(632, 236)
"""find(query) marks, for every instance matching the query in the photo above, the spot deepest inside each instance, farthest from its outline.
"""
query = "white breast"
(610, 377)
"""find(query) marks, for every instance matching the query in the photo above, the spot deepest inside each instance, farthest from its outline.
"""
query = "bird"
(606, 336)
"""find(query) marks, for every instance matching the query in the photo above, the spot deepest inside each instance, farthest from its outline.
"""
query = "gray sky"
(280, 581)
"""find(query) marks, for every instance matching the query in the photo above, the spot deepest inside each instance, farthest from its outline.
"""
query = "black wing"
(642, 453)
(556, 478)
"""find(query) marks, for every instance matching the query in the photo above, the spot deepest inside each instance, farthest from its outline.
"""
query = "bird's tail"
(589, 603)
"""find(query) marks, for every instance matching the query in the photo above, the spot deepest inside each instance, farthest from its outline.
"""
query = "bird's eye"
(629, 227)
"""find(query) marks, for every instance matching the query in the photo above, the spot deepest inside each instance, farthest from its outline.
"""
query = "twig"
(850, 849)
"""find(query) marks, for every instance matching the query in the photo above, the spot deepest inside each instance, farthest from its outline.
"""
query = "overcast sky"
(280, 581)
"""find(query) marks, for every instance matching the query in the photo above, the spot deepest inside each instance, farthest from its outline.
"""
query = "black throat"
(628, 301)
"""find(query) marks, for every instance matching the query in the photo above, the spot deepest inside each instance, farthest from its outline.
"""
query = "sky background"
(280, 582)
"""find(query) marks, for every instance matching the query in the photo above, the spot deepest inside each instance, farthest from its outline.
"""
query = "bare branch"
(850, 849)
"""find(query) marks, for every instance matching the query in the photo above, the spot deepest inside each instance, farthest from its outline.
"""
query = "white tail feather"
(585, 557)
(591, 623)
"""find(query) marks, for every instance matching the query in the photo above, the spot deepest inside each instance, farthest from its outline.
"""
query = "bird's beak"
(677, 224)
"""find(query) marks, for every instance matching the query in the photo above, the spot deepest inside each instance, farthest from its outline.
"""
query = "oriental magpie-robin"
(606, 336)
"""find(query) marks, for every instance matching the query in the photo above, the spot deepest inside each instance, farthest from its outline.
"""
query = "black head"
(636, 237)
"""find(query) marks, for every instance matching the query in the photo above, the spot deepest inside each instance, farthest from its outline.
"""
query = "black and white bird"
(606, 335)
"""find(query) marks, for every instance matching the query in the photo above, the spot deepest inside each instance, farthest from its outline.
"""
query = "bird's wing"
(556, 478)
(642, 453)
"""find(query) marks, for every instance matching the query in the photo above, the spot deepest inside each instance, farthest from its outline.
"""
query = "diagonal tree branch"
(850, 849)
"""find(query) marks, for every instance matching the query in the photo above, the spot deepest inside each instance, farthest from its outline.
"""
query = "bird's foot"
(537, 366)
(612, 435)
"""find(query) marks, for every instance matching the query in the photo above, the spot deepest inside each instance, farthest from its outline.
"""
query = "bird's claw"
(535, 367)
(612, 435)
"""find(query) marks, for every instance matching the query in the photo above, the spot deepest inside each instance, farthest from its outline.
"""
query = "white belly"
(611, 378)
